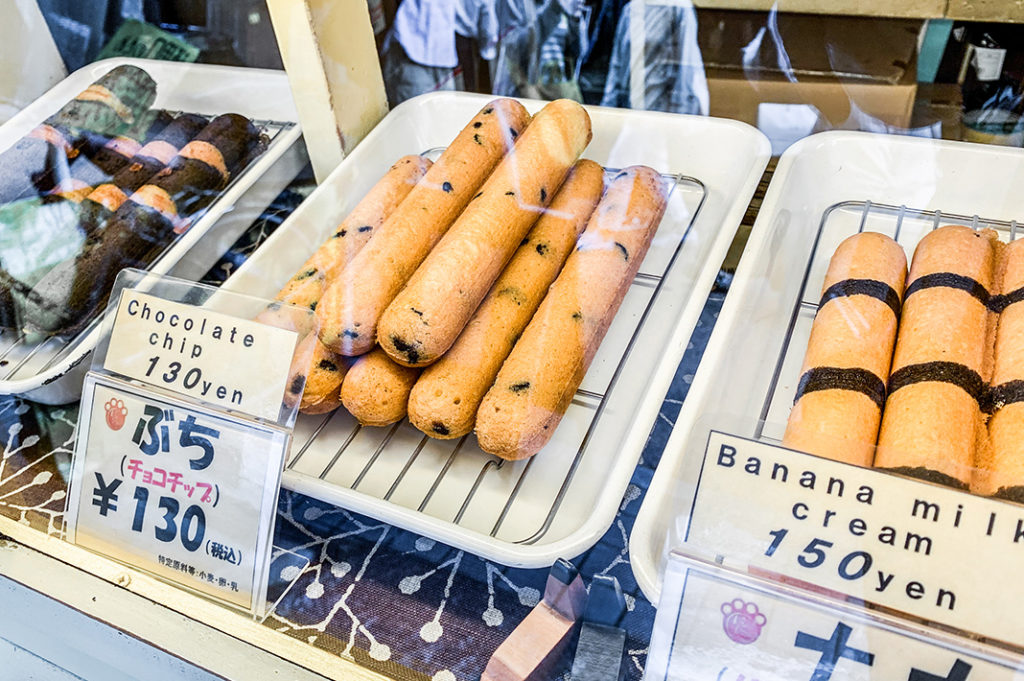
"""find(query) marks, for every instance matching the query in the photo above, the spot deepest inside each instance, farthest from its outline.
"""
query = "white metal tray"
(50, 370)
(826, 187)
(560, 502)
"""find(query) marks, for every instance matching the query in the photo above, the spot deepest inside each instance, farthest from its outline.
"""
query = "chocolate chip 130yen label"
(930, 551)
(210, 356)
(714, 625)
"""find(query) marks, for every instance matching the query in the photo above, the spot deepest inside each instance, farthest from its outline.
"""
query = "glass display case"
(619, 308)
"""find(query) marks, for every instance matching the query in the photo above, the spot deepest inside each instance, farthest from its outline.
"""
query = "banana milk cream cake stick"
(1000, 472)
(932, 426)
(423, 321)
(839, 400)
(353, 301)
(444, 401)
(533, 389)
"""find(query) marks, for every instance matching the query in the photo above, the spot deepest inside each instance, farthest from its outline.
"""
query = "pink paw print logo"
(116, 413)
(742, 622)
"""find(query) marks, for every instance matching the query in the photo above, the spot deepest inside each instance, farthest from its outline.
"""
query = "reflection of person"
(656, 63)
(540, 55)
(421, 54)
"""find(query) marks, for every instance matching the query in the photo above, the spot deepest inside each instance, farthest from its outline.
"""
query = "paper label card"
(933, 552)
(175, 489)
(206, 355)
(713, 625)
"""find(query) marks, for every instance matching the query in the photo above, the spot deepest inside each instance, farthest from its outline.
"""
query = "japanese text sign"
(176, 489)
(716, 625)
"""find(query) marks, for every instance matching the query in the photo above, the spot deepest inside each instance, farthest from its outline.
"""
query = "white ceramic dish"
(559, 504)
(51, 371)
(825, 188)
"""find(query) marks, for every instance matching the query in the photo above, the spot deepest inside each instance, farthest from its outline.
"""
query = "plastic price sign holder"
(185, 422)
(721, 623)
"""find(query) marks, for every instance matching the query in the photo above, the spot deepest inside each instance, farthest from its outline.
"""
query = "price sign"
(718, 625)
(176, 490)
(184, 427)
(936, 553)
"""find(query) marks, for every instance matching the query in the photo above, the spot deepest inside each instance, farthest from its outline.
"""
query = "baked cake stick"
(354, 300)
(1000, 472)
(838, 403)
(423, 321)
(376, 389)
(444, 401)
(932, 426)
(520, 412)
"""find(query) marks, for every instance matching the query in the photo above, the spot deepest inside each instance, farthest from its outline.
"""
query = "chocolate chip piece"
(440, 428)
(489, 110)
(340, 233)
(542, 249)
(476, 138)
(365, 228)
(312, 306)
(625, 253)
(543, 195)
(405, 348)
(479, 194)
(515, 133)
(447, 186)
(296, 387)
(577, 315)
(415, 311)
(524, 242)
(349, 333)
(522, 386)
(305, 275)
(477, 124)
(328, 365)
(510, 193)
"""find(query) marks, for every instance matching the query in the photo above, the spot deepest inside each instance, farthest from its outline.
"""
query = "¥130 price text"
(175, 374)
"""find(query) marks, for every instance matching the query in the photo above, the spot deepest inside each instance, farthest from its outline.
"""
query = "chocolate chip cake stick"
(354, 301)
(932, 426)
(147, 221)
(519, 413)
(1000, 471)
(306, 286)
(423, 321)
(324, 371)
(444, 400)
(838, 403)
(376, 389)
(327, 369)
(107, 108)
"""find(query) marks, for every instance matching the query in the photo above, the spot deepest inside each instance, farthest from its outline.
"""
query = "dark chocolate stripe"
(944, 372)
(833, 378)
(1005, 300)
(863, 287)
(1010, 392)
(948, 280)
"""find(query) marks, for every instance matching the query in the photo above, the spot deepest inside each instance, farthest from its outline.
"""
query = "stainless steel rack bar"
(487, 463)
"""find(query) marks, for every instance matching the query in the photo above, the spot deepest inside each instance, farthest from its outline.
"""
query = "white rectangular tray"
(51, 370)
(826, 187)
(559, 503)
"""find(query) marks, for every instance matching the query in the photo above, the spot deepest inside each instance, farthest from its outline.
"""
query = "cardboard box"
(850, 73)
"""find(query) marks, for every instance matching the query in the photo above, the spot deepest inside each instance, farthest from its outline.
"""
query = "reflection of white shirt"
(426, 29)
